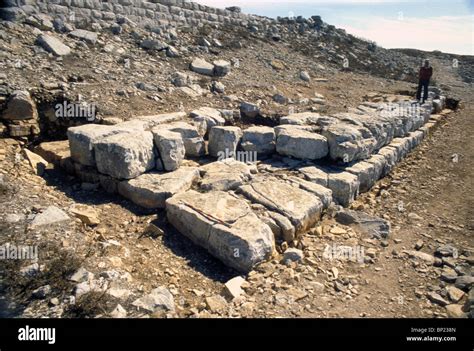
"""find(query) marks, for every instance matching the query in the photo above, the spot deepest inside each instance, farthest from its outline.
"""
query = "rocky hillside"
(169, 159)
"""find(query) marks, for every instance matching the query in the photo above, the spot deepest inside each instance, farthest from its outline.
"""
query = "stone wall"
(142, 13)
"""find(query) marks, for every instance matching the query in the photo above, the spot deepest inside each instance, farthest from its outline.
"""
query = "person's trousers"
(422, 84)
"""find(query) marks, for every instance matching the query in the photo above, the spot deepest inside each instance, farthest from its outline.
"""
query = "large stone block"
(53, 45)
(227, 174)
(82, 139)
(170, 146)
(301, 144)
(223, 141)
(193, 142)
(224, 225)
(344, 186)
(301, 207)
(20, 106)
(125, 155)
(151, 190)
(205, 118)
(365, 172)
(259, 139)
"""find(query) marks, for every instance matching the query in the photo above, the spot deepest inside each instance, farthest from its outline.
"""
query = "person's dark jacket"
(426, 73)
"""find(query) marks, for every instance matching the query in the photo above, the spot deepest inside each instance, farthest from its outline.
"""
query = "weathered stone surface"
(163, 118)
(301, 144)
(315, 174)
(51, 215)
(324, 194)
(170, 146)
(87, 214)
(344, 186)
(346, 143)
(249, 110)
(221, 67)
(202, 67)
(227, 174)
(379, 162)
(85, 35)
(82, 138)
(223, 141)
(302, 208)
(205, 118)
(20, 106)
(301, 118)
(126, 155)
(373, 226)
(53, 45)
(365, 173)
(259, 139)
(37, 163)
(159, 299)
(391, 157)
(151, 190)
(222, 224)
(53, 151)
(193, 141)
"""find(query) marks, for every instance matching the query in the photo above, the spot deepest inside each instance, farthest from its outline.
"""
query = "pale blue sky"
(446, 25)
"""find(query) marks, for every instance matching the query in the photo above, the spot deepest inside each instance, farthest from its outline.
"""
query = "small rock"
(216, 303)
(437, 299)
(87, 214)
(42, 292)
(51, 215)
(305, 76)
(233, 287)
(293, 255)
(158, 299)
(419, 244)
(455, 294)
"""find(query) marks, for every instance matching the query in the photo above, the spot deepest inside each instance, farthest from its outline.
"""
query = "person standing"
(426, 71)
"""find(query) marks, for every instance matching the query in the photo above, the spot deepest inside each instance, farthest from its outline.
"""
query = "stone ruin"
(190, 165)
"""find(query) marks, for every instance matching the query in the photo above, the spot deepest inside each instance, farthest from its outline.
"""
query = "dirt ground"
(427, 197)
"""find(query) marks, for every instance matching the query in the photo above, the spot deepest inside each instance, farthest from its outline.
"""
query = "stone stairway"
(238, 210)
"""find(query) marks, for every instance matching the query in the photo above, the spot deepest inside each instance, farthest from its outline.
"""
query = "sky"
(446, 25)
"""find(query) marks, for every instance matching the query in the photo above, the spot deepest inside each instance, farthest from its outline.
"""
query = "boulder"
(374, 227)
(249, 110)
(205, 118)
(85, 35)
(221, 67)
(344, 186)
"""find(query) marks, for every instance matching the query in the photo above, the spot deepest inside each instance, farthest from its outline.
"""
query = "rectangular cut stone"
(224, 225)
(82, 138)
(344, 186)
(151, 190)
(301, 144)
(365, 173)
(302, 208)
(379, 163)
(125, 155)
